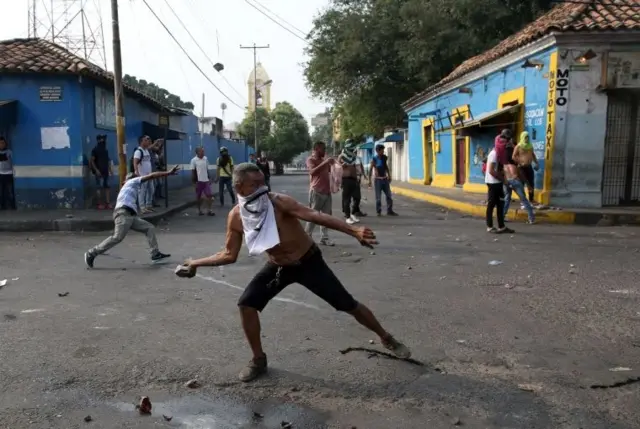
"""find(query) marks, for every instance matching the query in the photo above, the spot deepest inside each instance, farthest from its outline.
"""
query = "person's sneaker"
(378, 214)
(210, 213)
(396, 347)
(327, 242)
(350, 221)
(88, 259)
(354, 218)
(492, 229)
(360, 214)
(110, 206)
(100, 206)
(531, 222)
(392, 213)
(159, 256)
(255, 368)
(504, 230)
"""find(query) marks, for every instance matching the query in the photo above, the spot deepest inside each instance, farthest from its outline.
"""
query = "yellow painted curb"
(542, 216)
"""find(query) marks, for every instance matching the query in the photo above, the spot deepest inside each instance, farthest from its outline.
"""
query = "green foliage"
(154, 91)
(369, 56)
(246, 129)
(289, 136)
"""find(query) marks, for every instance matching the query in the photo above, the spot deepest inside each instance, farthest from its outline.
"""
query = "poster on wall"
(105, 106)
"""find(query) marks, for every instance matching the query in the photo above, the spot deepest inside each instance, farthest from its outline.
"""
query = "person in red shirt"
(319, 167)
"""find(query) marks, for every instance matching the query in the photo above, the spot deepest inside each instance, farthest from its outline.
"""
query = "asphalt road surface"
(546, 337)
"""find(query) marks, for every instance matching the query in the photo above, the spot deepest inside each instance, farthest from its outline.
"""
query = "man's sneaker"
(159, 256)
(327, 242)
(255, 368)
(354, 218)
(350, 221)
(88, 259)
(378, 214)
(392, 213)
(360, 214)
(396, 347)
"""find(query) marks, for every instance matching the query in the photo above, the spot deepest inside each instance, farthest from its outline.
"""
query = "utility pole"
(117, 87)
(255, 92)
(202, 123)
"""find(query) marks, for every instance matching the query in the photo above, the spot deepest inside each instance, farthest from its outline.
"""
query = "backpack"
(131, 166)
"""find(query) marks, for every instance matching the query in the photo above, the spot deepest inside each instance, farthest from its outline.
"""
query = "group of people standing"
(352, 172)
(509, 168)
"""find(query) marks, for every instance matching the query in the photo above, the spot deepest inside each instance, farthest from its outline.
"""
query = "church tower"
(259, 79)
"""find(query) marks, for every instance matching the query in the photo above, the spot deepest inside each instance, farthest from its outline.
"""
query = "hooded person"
(100, 164)
(350, 185)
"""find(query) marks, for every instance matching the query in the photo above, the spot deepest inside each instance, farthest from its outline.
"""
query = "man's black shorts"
(311, 272)
(102, 181)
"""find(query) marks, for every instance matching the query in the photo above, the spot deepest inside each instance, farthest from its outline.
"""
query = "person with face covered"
(223, 175)
(350, 186)
(270, 223)
(100, 164)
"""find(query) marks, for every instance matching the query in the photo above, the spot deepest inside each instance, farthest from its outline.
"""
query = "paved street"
(519, 344)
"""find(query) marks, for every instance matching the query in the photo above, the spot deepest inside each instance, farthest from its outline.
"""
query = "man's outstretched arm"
(229, 254)
(364, 235)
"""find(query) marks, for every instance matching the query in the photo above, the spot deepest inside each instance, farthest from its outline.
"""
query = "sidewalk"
(89, 219)
(475, 205)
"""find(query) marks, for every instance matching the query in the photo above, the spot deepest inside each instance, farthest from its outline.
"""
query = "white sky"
(149, 52)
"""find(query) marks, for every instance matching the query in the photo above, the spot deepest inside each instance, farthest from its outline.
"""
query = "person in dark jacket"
(263, 164)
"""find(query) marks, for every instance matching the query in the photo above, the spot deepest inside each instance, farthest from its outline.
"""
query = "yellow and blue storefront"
(452, 129)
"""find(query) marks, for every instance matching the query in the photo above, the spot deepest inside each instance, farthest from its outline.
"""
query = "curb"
(561, 217)
(79, 224)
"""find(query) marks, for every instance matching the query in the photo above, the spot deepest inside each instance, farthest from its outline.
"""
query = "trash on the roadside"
(620, 369)
(443, 277)
(346, 254)
(192, 384)
(285, 425)
(495, 262)
(409, 234)
(167, 418)
(461, 341)
(3, 282)
(495, 240)
(456, 421)
(371, 342)
(15, 278)
(528, 387)
(509, 286)
(88, 419)
(63, 294)
(144, 406)
(409, 268)
(571, 266)
(372, 253)
(69, 216)
(572, 271)
(257, 415)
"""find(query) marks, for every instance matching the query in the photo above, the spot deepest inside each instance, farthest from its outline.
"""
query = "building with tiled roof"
(54, 104)
(569, 80)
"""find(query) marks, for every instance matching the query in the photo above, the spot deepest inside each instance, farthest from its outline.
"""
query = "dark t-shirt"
(380, 164)
(101, 156)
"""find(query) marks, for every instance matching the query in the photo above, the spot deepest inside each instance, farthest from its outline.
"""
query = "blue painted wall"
(31, 188)
(58, 178)
(483, 99)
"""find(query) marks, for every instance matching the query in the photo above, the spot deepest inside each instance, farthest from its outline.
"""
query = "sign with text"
(50, 93)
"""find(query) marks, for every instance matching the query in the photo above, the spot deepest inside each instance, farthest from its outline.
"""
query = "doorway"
(428, 153)
(461, 160)
(621, 169)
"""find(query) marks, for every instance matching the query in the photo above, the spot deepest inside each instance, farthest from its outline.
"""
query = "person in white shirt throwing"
(202, 181)
(126, 217)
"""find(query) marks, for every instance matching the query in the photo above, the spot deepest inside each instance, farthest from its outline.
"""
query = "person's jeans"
(382, 185)
(145, 198)
(357, 197)
(7, 198)
(123, 222)
(225, 182)
(495, 193)
(517, 186)
(321, 203)
(349, 189)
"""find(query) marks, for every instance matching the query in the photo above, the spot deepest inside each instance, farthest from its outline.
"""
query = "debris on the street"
(620, 369)
(456, 421)
(144, 406)
(371, 342)
(257, 415)
(3, 282)
(285, 425)
(409, 268)
(192, 384)
(571, 266)
(409, 234)
(167, 418)
(88, 419)
(443, 277)
(495, 262)
(346, 254)
(15, 278)
(509, 286)
(495, 240)
(572, 271)
(63, 294)
(461, 341)
(528, 387)
(372, 253)
(69, 216)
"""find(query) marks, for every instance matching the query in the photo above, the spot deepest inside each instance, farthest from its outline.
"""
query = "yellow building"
(260, 82)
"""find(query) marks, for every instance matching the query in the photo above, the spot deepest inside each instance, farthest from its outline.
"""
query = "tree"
(289, 136)
(324, 132)
(369, 56)
(154, 91)
(246, 129)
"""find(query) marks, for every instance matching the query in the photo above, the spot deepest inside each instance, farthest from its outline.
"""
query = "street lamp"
(255, 110)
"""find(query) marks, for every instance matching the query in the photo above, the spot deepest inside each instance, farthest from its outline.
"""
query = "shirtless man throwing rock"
(270, 223)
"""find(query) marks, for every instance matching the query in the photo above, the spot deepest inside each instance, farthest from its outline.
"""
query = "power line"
(189, 57)
(200, 47)
(280, 18)
(276, 22)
